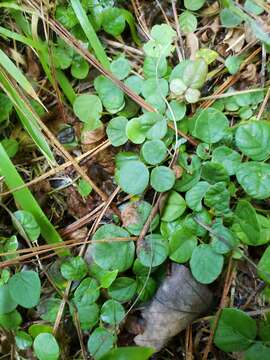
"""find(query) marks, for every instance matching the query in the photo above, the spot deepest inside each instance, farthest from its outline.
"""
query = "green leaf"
(154, 67)
(206, 265)
(116, 131)
(131, 353)
(193, 5)
(24, 288)
(229, 19)
(229, 158)
(81, 107)
(112, 312)
(87, 291)
(235, 331)
(187, 22)
(111, 96)
(163, 33)
(174, 207)
(223, 239)
(112, 255)
(176, 111)
(178, 87)
(7, 304)
(79, 67)
(28, 224)
(214, 172)
(46, 347)
(146, 288)
(210, 126)
(253, 139)
(36, 329)
(217, 197)
(113, 21)
(154, 152)
(254, 177)
(192, 95)
(252, 7)
(88, 314)
(246, 218)
(100, 342)
(120, 68)
(208, 55)
(162, 178)
(154, 250)
(105, 278)
(123, 289)
(66, 16)
(74, 268)
(195, 73)
(182, 244)
(90, 33)
(155, 86)
(10, 321)
(195, 195)
(129, 171)
(233, 64)
(84, 188)
(135, 83)
(48, 309)
(23, 340)
(258, 351)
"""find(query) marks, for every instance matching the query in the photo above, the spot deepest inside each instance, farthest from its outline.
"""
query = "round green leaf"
(223, 239)
(229, 158)
(11, 321)
(162, 178)
(206, 265)
(36, 329)
(154, 152)
(112, 97)
(88, 108)
(210, 126)
(48, 309)
(122, 289)
(28, 224)
(113, 21)
(87, 291)
(112, 255)
(178, 87)
(182, 244)
(254, 177)
(195, 72)
(154, 250)
(174, 207)
(233, 64)
(229, 18)
(112, 312)
(258, 351)
(214, 172)
(88, 314)
(46, 347)
(176, 111)
(74, 268)
(100, 342)
(187, 22)
(116, 131)
(217, 197)
(154, 67)
(130, 171)
(135, 83)
(195, 195)
(155, 86)
(120, 67)
(135, 131)
(235, 331)
(23, 340)
(24, 288)
(253, 139)
(192, 95)
(79, 67)
(193, 5)
(7, 304)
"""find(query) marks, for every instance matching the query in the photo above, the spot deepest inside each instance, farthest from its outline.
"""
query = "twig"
(182, 49)
(264, 103)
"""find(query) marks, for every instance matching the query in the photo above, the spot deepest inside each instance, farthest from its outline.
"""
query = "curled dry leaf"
(192, 44)
(179, 300)
(93, 136)
(130, 215)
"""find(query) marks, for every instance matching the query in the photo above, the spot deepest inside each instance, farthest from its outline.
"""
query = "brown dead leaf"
(192, 44)
(130, 214)
(92, 137)
(179, 300)
(33, 68)
(235, 39)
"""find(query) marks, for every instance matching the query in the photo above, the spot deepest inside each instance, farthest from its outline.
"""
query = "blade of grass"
(26, 201)
(90, 33)
(16, 73)
(27, 116)
(65, 86)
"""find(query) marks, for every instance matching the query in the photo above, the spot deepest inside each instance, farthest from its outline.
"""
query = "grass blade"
(27, 116)
(26, 200)
(66, 86)
(90, 33)
(16, 73)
